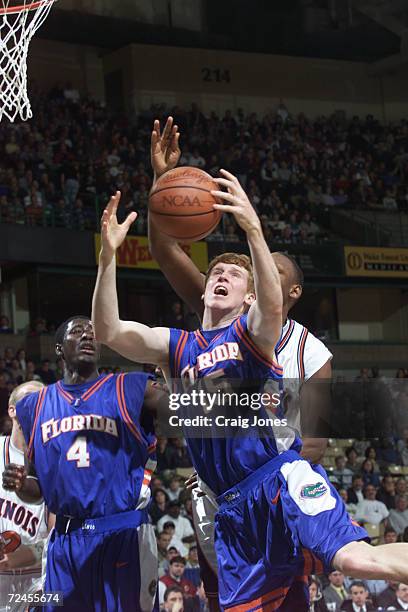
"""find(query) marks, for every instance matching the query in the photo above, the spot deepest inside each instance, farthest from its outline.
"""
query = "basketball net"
(18, 24)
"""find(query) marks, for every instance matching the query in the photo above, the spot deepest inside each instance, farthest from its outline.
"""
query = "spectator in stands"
(355, 493)
(387, 597)
(390, 535)
(16, 373)
(46, 374)
(173, 599)
(401, 487)
(370, 453)
(163, 543)
(335, 593)
(31, 372)
(317, 602)
(351, 508)
(156, 483)
(386, 492)
(370, 510)
(369, 476)
(399, 515)
(5, 325)
(184, 531)
(187, 506)
(359, 599)
(175, 577)
(352, 459)
(192, 571)
(169, 528)
(401, 598)
(158, 507)
(174, 489)
(22, 360)
(8, 356)
(344, 475)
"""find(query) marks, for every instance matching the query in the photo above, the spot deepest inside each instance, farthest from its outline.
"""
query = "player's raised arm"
(182, 274)
(265, 314)
(132, 340)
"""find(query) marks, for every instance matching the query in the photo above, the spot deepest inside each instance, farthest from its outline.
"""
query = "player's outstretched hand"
(238, 202)
(14, 477)
(114, 233)
(164, 149)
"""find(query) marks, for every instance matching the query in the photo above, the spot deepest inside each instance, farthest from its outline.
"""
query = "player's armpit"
(141, 343)
(178, 268)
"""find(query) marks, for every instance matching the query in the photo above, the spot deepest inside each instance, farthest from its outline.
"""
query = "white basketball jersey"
(299, 352)
(301, 355)
(27, 520)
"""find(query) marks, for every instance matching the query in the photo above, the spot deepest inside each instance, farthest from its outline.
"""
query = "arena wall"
(184, 13)
(218, 80)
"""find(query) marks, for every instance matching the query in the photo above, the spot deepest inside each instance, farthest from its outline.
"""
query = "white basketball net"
(18, 24)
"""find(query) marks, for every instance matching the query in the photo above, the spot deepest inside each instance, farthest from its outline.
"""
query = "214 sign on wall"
(216, 75)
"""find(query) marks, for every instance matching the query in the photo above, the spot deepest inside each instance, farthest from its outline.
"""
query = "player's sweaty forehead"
(78, 326)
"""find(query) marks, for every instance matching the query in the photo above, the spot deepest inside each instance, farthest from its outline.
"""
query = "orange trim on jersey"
(301, 353)
(251, 346)
(200, 339)
(179, 350)
(147, 476)
(7, 450)
(302, 579)
(67, 396)
(285, 337)
(39, 405)
(123, 409)
(263, 603)
(95, 388)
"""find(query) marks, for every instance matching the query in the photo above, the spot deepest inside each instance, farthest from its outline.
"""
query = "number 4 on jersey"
(78, 452)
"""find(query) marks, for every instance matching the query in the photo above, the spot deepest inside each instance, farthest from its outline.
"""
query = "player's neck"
(217, 319)
(79, 377)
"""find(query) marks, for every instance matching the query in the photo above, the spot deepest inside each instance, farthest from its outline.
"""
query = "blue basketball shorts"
(279, 525)
(103, 564)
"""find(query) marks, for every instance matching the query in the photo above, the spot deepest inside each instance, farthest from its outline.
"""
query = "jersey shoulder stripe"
(251, 346)
(39, 405)
(123, 408)
(301, 353)
(286, 338)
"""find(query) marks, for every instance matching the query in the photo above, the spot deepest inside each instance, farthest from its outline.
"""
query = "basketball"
(182, 205)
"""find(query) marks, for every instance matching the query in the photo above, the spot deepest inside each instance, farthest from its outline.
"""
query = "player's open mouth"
(220, 290)
(89, 349)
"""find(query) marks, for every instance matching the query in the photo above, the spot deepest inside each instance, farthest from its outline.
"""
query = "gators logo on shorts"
(313, 491)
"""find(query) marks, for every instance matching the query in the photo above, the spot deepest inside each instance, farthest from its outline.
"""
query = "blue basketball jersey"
(91, 455)
(222, 462)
